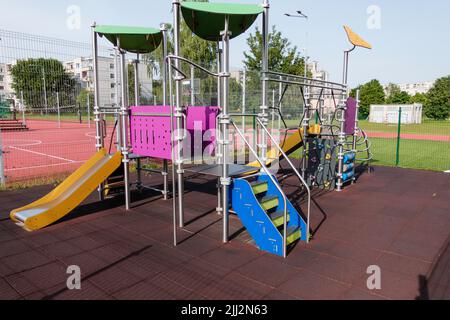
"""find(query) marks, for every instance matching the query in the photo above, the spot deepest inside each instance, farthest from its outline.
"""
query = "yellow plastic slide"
(292, 144)
(69, 194)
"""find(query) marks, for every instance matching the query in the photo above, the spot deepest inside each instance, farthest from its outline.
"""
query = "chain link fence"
(46, 85)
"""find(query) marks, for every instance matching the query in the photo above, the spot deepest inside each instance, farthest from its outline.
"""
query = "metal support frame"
(99, 140)
(305, 126)
(178, 113)
(124, 127)
(2, 163)
(342, 136)
(164, 29)
(224, 122)
(219, 151)
(137, 98)
(264, 116)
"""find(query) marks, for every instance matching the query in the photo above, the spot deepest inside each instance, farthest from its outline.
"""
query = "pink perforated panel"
(151, 131)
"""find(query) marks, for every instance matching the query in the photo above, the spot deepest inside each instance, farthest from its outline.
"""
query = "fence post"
(2, 163)
(59, 112)
(399, 132)
(89, 110)
(22, 102)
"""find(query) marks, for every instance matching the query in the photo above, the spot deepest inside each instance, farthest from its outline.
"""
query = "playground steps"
(12, 125)
(260, 206)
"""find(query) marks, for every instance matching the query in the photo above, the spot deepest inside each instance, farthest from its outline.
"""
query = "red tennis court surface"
(425, 137)
(46, 150)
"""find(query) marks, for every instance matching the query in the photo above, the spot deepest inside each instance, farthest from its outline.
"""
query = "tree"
(370, 93)
(283, 57)
(191, 47)
(392, 89)
(131, 82)
(41, 78)
(438, 106)
(82, 99)
(419, 98)
(401, 97)
(396, 96)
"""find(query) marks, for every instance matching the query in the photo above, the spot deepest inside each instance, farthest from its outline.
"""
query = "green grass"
(415, 154)
(428, 127)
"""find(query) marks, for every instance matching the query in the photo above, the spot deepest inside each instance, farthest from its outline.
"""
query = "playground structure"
(253, 191)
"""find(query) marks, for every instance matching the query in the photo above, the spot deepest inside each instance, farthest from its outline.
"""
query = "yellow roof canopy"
(356, 40)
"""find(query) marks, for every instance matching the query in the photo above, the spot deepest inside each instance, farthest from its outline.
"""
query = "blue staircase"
(260, 206)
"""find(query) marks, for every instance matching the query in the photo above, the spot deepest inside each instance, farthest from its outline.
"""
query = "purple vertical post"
(350, 116)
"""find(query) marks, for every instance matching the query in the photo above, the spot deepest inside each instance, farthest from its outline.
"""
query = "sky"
(411, 39)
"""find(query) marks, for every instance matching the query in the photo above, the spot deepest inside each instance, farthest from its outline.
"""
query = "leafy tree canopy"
(35, 77)
(370, 93)
(438, 105)
(283, 57)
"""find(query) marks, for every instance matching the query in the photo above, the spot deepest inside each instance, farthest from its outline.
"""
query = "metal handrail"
(302, 84)
(275, 183)
(170, 57)
(304, 78)
(296, 172)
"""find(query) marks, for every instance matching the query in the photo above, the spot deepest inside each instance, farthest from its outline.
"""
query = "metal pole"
(178, 113)
(118, 100)
(399, 132)
(24, 121)
(168, 63)
(88, 102)
(224, 123)
(2, 163)
(273, 110)
(58, 108)
(192, 86)
(164, 29)
(305, 126)
(99, 143)
(265, 68)
(244, 99)
(137, 102)
(341, 143)
(280, 104)
(124, 127)
(219, 149)
(137, 97)
(342, 136)
(45, 90)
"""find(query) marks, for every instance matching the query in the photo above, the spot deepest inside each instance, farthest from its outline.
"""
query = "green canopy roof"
(132, 39)
(207, 19)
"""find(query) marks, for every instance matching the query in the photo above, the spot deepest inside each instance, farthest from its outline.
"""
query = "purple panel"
(150, 135)
(201, 125)
(350, 116)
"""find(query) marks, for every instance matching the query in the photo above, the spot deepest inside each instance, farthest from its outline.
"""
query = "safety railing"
(308, 190)
(272, 179)
(304, 81)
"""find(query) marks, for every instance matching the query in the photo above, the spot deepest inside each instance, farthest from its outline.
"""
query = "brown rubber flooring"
(396, 219)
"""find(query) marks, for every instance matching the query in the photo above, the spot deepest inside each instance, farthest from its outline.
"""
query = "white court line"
(44, 166)
(43, 154)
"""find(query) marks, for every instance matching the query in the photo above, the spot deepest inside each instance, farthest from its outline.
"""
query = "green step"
(269, 203)
(294, 234)
(259, 187)
(278, 218)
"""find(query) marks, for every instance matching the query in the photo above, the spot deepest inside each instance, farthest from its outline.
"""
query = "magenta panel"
(151, 135)
(350, 116)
